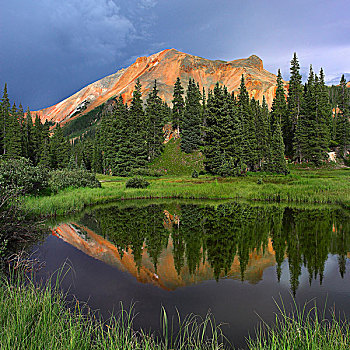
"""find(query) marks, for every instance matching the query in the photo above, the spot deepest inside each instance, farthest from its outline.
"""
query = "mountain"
(165, 67)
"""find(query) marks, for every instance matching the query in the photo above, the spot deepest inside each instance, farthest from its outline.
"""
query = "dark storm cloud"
(50, 49)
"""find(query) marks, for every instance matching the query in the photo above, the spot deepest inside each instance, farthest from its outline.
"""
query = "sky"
(49, 49)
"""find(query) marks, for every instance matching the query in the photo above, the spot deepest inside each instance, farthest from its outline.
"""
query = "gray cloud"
(50, 49)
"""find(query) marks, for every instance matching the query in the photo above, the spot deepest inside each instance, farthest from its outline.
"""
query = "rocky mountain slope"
(165, 67)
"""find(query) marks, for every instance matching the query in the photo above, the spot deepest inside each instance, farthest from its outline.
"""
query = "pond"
(235, 259)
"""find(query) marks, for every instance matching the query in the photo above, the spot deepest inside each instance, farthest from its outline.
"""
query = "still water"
(235, 259)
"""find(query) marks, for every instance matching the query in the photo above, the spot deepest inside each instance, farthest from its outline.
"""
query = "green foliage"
(61, 179)
(137, 182)
(22, 175)
(178, 105)
(148, 172)
(191, 132)
(154, 124)
(195, 174)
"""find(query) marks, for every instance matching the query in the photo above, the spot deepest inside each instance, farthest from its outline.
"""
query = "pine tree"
(137, 130)
(28, 137)
(4, 119)
(154, 114)
(59, 149)
(192, 120)
(278, 162)
(280, 111)
(305, 139)
(323, 117)
(248, 124)
(342, 122)
(294, 100)
(96, 164)
(123, 161)
(221, 133)
(108, 142)
(178, 105)
(13, 135)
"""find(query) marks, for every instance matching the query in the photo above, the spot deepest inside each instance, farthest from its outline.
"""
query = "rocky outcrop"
(165, 67)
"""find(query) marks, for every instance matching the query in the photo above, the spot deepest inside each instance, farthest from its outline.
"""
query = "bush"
(22, 175)
(137, 182)
(61, 179)
(195, 174)
(260, 181)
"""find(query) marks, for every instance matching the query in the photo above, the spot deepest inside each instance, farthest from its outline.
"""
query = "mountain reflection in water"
(179, 245)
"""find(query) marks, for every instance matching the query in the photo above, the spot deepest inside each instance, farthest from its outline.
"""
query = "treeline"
(20, 137)
(235, 133)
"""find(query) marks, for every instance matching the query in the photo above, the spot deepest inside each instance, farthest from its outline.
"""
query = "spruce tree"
(294, 101)
(192, 120)
(342, 122)
(28, 137)
(323, 116)
(278, 162)
(154, 114)
(137, 130)
(96, 164)
(221, 133)
(4, 119)
(123, 161)
(178, 105)
(279, 110)
(13, 144)
(248, 124)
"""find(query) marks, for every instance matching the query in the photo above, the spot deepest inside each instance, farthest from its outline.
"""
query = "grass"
(304, 329)
(39, 317)
(175, 162)
(300, 186)
(33, 317)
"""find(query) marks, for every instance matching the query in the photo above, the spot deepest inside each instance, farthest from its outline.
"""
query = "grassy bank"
(301, 186)
(41, 318)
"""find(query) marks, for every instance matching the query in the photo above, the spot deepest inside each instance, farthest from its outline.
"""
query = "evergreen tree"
(178, 105)
(248, 123)
(96, 164)
(59, 149)
(192, 120)
(280, 111)
(4, 119)
(123, 161)
(323, 116)
(221, 133)
(108, 142)
(294, 100)
(342, 122)
(13, 144)
(278, 162)
(28, 137)
(154, 114)
(137, 130)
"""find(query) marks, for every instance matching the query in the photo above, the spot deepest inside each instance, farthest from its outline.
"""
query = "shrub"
(260, 181)
(61, 179)
(137, 182)
(195, 174)
(22, 175)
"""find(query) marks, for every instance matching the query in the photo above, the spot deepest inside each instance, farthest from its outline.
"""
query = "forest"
(235, 133)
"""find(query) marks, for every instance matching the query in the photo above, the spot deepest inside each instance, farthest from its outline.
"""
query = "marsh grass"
(39, 317)
(319, 186)
(304, 328)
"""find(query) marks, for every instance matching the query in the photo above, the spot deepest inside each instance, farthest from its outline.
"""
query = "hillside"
(165, 67)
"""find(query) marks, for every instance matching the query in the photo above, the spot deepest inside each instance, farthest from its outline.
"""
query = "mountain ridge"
(165, 66)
